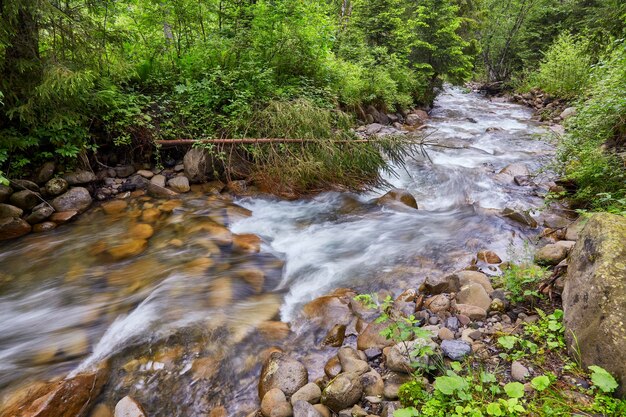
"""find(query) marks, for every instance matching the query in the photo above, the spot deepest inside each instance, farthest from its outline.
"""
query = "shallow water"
(185, 323)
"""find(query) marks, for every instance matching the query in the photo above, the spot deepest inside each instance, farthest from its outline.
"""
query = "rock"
(398, 196)
(489, 257)
(594, 298)
(134, 183)
(438, 303)
(373, 384)
(452, 323)
(45, 172)
(39, 213)
(351, 362)
(456, 350)
(114, 206)
(373, 129)
(7, 210)
(310, 393)
(5, 193)
(575, 228)
(145, 173)
(44, 227)
(567, 244)
(378, 117)
(282, 372)
(519, 372)
(551, 254)
(473, 312)
(475, 295)
(418, 117)
(520, 217)
(197, 165)
(516, 169)
(400, 357)
(101, 410)
(158, 180)
(21, 185)
(329, 310)
(56, 186)
(158, 191)
(335, 336)
(179, 184)
(141, 231)
(63, 398)
(568, 112)
(13, 227)
(323, 410)
(79, 177)
(304, 409)
(342, 392)
(393, 381)
(25, 199)
(76, 198)
(498, 305)
(332, 367)
(249, 243)
(128, 407)
(371, 337)
(124, 171)
(272, 400)
(445, 334)
(63, 216)
(128, 248)
(468, 277)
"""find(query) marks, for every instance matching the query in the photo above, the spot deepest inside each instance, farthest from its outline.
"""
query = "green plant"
(603, 380)
(521, 281)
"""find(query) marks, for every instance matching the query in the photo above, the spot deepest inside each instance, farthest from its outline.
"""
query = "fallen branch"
(250, 141)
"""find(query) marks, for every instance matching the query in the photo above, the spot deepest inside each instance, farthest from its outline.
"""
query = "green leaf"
(514, 389)
(540, 383)
(507, 342)
(602, 379)
(448, 384)
(493, 409)
(405, 412)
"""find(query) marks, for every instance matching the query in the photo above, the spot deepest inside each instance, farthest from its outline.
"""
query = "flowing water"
(185, 323)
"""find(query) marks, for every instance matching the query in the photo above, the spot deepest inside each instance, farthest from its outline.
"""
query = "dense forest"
(84, 78)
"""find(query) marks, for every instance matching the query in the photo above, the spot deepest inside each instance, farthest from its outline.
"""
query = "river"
(185, 323)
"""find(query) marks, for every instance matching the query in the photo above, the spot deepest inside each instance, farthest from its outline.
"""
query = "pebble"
(518, 371)
(456, 349)
(452, 323)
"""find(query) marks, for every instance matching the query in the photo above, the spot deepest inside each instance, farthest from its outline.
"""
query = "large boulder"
(594, 298)
(76, 199)
(282, 372)
(12, 227)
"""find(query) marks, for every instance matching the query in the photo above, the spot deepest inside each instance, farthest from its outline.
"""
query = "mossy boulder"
(594, 298)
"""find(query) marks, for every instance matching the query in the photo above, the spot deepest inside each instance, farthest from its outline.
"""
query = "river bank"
(185, 298)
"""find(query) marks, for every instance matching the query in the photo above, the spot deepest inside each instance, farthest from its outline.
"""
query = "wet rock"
(128, 248)
(400, 359)
(45, 172)
(247, 243)
(128, 407)
(79, 177)
(7, 210)
(330, 310)
(343, 392)
(417, 117)
(447, 285)
(371, 337)
(124, 171)
(468, 277)
(310, 393)
(159, 191)
(519, 372)
(39, 213)
(351, 362)
(520, 217)
(523, 180)
(456, 350)
(141, 231)
(56, 186)
(44, 227)
(551, 254)
(63, 216)
(515, 169)
(438, 303)
(398, 196)
(69, 397)
(179, 184)
(594, 298)
(76, 198)
(101, 410)
(13, 227)
(304, 409)
(25, 199)
(5, 193)
(21, 185)
(470, 311)
(332, 367)
(489, 257)
(272, 401)
(335, 336)
(114, 206)
(282, 372)
(150, 215)
(373, 384)
(475, 295)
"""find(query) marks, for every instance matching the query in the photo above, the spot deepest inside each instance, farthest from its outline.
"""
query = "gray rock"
(452, 323)
(145, 173)
(179, 184)
(128, 407)
(575, 228)
(373, 129)
(124, 171)
(310, 393)
(520, 217)
(393, 382)
(76, 198)
(456, 349)
(519, 372)
(551, 254)
(7, 210)
(79, 177)
(157, 191)
(343, 392)
(594, 297)
(56, 186)
(516, 169)
(568, 112)
(389, 408)
(20, 185)
(5, 193)
(197, 165)
(25, 199)
(45, 172)
(304, 409)
(13, 227)
(282, 372)
(40, 213)
(402, 355)
(158, 180)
